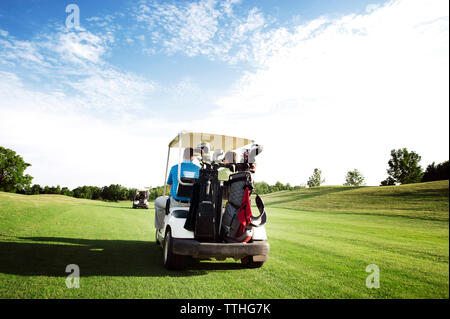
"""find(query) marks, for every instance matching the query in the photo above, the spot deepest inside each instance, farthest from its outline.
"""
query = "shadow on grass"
(421, 194)
(120, 207)
(314, 192)
(49, 256)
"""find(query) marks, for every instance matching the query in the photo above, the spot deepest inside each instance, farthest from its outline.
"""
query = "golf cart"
(203, 228)
(141, 198)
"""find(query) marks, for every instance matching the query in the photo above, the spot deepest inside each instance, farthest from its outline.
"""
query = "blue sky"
(368, 73)
(26, 20)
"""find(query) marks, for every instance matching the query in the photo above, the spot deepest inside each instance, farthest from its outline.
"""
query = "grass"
(321, 240)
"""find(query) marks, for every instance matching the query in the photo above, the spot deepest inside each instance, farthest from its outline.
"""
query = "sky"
(329, 84)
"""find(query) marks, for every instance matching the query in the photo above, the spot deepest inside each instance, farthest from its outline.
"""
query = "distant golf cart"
(141, 198)
(204, 228)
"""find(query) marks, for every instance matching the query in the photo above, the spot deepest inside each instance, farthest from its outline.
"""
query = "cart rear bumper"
(192, 247)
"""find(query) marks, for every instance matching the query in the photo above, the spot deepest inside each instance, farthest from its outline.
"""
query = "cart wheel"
(249, 263)
(170, 260)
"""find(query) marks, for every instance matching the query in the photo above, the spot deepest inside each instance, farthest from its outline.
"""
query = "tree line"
(403, 168)
(265, 188)
(113, 192)
(116, 192)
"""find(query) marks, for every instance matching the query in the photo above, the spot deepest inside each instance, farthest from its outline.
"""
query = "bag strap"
(262, 218)
(238, 179)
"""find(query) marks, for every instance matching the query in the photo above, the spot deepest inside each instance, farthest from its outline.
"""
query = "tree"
(96, 192)
(436, 172)
(404, 167)
(261, 188)
(46, 190)
(354, 178)
(279, 186)
(155, 192)
(12, 167)
(316, 178)
(36, 189)
(388, 182)
(131, 192)
(66, 191)
(83, 192)
(114, 192)
(52, 190)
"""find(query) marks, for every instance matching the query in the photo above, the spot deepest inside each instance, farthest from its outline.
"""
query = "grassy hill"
(321, 240)
(423, 200)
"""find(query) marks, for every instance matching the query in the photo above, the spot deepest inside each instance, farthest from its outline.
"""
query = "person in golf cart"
(188, 169)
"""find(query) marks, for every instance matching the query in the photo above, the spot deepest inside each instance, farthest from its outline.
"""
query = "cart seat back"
(186, 189)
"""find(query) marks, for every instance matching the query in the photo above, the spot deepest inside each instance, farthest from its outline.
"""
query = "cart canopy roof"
(216, 141)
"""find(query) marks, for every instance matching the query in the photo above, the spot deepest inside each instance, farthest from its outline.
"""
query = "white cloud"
(110, 90)
(71, 114)
(189, 27)
(55, 49)
(73, 63)
(227, 6)
(13, 51)
(140, 37)
(78, 47)
(82, 122)
(339, 94)
(204, 27)
(70, 147)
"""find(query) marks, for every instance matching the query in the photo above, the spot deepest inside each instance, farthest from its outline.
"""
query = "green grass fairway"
(321, 240)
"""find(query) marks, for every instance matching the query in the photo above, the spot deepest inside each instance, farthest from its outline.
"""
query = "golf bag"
(236, 187)
(206, 206)
(237, 221)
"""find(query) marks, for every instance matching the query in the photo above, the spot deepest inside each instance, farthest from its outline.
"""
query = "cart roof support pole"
(167, 167)
(179, 162)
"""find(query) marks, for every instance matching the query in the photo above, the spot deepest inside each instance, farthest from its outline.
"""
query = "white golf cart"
(141, 198)
(181, 244)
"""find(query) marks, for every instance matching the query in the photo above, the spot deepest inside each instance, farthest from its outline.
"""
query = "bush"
(114, 192)
(66, 191)
(436, 172)
(264, 188)
(388, 182)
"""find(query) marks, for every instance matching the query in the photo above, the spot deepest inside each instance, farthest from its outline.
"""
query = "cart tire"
(249, 263)
(170, 260)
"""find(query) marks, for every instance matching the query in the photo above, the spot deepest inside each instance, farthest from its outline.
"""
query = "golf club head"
(254, 151)
(203, 150)
(217, 155)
